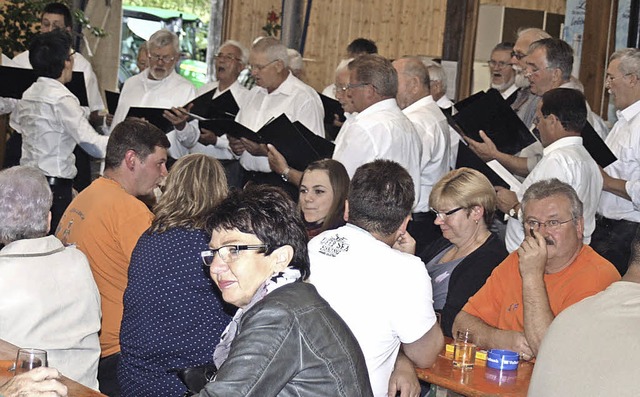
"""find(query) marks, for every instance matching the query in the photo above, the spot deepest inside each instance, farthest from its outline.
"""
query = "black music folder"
(596, 146)
(295, 141)
(15, 82)
(467, 158)
(331, 108)
(491, 113)
(153, 116)
(223, 106)
(112, 100)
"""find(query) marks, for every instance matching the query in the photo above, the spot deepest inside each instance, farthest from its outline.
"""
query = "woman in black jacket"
(463, 258)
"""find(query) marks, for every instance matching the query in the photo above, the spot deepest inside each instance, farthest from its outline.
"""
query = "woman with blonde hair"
(173, 314)
(462, 259)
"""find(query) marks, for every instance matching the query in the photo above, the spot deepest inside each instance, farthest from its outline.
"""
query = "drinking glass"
(29, 359)
(464, 350)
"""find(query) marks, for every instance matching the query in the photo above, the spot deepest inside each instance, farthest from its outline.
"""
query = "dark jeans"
(612, 239)
(62, 196)
(108, 375)
(423, 230)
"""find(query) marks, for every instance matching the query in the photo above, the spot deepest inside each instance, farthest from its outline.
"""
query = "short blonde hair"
(465, 187)
(195, 185)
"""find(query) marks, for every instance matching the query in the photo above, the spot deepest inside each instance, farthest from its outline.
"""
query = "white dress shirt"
(186, 141)
(567, 160)
(624, 142)
(80, 64)
(381, 131)
(293, 98)
(51, 122)
(432, 127)
(141, 91)
(50, 301)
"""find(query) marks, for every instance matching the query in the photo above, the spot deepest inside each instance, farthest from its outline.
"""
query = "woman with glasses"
(173, 314)
(285, 340)
(462, 259)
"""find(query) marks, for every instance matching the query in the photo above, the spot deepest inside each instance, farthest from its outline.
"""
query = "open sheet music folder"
(15, 81)
(296, 142)
(489, 112)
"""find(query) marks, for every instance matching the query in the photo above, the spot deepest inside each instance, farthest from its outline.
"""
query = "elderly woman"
(462, 259)
(172, 310)
(285, 340)
(323, 192)
(49, 298)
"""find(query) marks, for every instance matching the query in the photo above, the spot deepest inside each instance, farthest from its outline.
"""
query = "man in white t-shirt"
(367, 273)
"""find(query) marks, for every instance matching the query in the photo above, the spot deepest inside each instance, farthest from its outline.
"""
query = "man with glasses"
(189, 137)
(503, 75)
(277, 91)
(550, 271)
(380, 130)
(620, 200)
(159, 85)
(58, 16)
(548, 65)
(560, 117)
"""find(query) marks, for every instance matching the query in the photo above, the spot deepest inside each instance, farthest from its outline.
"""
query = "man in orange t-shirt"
(106, 220)
(550, 271)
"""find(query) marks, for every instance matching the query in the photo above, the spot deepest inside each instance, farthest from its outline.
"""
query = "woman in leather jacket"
(285, 340)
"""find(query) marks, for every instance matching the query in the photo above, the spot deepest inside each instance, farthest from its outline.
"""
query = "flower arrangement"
(273, 27)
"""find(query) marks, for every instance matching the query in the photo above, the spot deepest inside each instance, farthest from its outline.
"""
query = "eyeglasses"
(443, 215)
(72, 52)
(260, 67)
(532, 69)
(549, 225)
(226, 57)
(518, 55)
(498, 64)
(340, 88)
(356, 85)
(163, 58)
(230, 253)
(610, 77)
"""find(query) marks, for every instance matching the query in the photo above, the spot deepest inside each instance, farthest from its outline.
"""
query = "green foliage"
(17, 25)
(202, 8)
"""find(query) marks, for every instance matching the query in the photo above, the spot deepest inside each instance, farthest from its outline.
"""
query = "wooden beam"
(460, 41)
(598, 43)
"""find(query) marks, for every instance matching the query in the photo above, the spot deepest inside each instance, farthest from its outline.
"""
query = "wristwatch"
(285, 174)
(512, 212)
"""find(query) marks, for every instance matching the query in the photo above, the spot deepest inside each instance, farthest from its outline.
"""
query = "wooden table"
(481, 381)
(8, 354)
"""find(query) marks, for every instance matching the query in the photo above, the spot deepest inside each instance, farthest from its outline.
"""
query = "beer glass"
(29, 359)
(464, 350)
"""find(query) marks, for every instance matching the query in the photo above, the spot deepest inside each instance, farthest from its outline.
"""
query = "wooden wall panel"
(245, 19)
(552, 6)
(399, 27)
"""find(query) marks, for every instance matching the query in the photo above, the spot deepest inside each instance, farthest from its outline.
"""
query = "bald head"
(413, 81)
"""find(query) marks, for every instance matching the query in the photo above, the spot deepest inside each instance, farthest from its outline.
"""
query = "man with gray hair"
(380, 130)
(277, 91)
(503, 75)
(550, 271)
(39, 272)
(548, 65)
(620, 200)
(230, 60)
(416, 102)
(159, 85)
